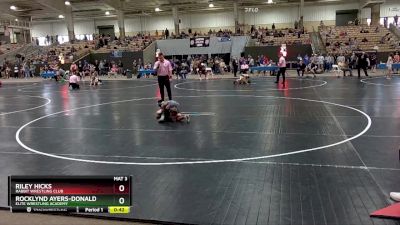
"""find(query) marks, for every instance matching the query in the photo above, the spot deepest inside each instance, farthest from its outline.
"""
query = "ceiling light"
(16, 20)
(61, 16)
(211, 5)
(270, 2)
(13, 7)
(67, 3)
(157, 9)
(107, 13)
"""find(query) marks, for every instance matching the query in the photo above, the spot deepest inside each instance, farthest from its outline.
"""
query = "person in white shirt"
(164, 73)
(340, 59)
(282, 69)
(320, 60)
(389, 64)
(74, 81)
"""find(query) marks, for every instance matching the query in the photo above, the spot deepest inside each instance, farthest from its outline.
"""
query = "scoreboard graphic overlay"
(79, 194)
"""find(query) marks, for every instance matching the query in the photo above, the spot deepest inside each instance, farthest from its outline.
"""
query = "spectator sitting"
(301, 67)
(114, 71)
(382, 41)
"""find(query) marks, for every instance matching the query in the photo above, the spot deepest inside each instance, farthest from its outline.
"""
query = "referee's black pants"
(164, 81)
(282, 70)
(364, 68)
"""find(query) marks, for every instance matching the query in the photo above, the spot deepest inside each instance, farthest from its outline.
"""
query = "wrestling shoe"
(162, 119)
(187, 118)
(395, 196)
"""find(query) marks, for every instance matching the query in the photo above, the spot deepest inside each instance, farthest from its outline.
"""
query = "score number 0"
(121, 188)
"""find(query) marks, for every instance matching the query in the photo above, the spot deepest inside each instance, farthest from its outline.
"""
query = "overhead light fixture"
(67, 3)
(270, 2)
(107, 13)
(16, 20)
(13, 7)
(211, 5)
(157, 9)
(61, 16)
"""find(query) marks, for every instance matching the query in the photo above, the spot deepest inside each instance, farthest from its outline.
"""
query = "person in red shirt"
(266, 60)
(73, 68)
(396, 58)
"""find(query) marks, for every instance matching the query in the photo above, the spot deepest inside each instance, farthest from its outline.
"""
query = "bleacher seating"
(349, 38)
(279, 37)
(130, 44)
(7, 48)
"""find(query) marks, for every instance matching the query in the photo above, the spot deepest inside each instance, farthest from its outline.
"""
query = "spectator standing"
(320, 60)
(389, 64)
(362, 63)
(80, 67)
(164, 73)
(16, 70)
(306, 59)
(120, 67)
(96, 66)
(32, 69)
(329, 61)
(373, 62)
(301, 25)
(166, 33)
(101, 67)
(26, 69)
(396, 58)
(396, 19)
(235, 66)
(134, 67)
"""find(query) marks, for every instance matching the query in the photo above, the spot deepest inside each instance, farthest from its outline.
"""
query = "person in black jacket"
(301, 67)
(235, 67)
(362, 63)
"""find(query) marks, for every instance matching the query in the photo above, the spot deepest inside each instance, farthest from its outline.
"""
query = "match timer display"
(81, 194)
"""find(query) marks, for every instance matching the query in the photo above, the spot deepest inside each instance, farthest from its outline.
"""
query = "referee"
(282, 69)
(164, 73)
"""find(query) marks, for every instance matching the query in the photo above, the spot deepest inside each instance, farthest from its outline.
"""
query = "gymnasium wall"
(281, 16)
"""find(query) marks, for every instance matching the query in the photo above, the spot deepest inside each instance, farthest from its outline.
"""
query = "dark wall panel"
(273, 51)
(344, 16)
(127, 58)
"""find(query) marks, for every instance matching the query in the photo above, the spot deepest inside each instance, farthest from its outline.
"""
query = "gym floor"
(315, 151)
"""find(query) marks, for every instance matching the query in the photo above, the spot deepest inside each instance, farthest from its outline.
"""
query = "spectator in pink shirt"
(164, 73)
(114, 71)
